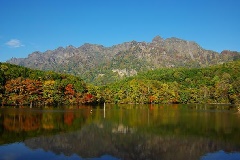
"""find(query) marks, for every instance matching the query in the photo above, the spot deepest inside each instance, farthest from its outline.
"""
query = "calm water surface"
(165, 132)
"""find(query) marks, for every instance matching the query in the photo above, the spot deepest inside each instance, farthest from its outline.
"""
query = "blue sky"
(39, 25)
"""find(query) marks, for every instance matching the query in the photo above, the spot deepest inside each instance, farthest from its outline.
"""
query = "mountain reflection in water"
(143, 132)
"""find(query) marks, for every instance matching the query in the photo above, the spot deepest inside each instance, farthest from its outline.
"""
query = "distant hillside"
(21, 86)
(101, 65)
(214, 84)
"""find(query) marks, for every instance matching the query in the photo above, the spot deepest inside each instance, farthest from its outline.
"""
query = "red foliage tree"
(69, 93)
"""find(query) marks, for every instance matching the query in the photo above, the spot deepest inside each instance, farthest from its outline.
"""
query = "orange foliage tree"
(21, 91)
(14, 91)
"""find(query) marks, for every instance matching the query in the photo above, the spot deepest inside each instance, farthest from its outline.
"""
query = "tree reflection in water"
(125, 132)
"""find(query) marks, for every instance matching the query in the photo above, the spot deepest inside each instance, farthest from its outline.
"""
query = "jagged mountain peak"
(157, 39)
(70, 47)
(91, 60)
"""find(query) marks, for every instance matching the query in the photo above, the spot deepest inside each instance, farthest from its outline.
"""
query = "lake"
(184, 132)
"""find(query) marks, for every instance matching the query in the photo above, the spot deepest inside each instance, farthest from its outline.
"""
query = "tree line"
(214, 84)
(24, 86)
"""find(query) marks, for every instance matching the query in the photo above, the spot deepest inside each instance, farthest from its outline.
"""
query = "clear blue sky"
(39, 25)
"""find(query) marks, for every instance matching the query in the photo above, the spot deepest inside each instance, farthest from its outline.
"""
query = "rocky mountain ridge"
(101, 65)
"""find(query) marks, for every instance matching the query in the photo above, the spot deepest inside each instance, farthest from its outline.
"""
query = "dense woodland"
(23, 86)
(215, 84)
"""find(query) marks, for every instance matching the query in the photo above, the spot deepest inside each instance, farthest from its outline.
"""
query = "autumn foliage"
(37, 88)
(215, 84)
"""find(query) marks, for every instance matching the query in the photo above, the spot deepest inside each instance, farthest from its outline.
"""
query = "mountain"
(101, 65)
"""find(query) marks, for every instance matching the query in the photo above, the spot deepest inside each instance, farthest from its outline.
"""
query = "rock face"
(95, 63)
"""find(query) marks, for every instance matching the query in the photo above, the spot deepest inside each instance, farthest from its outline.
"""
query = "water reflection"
(125, 132)
(221, 155)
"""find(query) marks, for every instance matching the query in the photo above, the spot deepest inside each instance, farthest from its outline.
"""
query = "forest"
(215, 84)
(23, 86)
